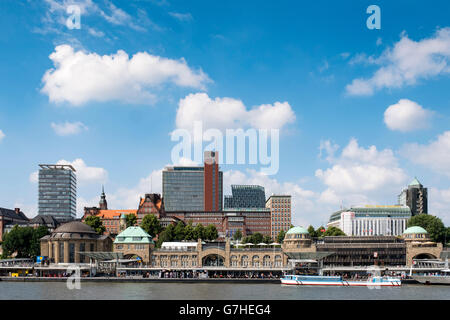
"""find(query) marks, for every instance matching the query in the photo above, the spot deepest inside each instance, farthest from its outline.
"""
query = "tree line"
(24, 241)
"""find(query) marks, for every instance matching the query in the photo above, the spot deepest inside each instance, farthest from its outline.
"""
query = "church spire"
(103, 204)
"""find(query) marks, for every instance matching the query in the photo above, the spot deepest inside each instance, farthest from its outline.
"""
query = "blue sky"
(335, 79)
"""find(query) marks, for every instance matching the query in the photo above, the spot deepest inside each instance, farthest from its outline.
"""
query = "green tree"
(312, 232)
(24, 241)
(256, 238)
(189, 232)
(131, 220)
(267, 239)
(167, 235)
(211, 232)
(237, 235)
(95, 223)
(320, 231)
(178, 231)
(333, 231)
(434, 226)
(151, 225)
(199, 231)
(280, 236)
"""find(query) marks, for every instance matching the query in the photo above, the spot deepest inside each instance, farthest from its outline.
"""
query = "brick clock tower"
(212, 184)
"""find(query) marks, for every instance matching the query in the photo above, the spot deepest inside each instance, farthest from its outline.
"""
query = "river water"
(212, 291)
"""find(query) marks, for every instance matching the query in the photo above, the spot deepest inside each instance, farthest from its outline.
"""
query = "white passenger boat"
(338, 281)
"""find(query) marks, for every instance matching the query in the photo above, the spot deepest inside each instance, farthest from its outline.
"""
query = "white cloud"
(34, 177)
(379, 41)
(128, 198)
(85, 175)
(439, 204)
(345, 55)
(361, 175)
(57, 15)
(96, 33)
(80, 77)
(125, 198)
(406, 63)
(68, 128)
(435, 155)
(181, 16)
(407, 115)
(2, 135)
(230, 113)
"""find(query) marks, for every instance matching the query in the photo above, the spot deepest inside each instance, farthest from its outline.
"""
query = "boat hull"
(343, 283)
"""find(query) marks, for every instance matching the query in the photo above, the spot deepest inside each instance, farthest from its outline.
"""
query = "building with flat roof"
(245, 196)
(415, 197)
(57, 191)
(194, 188)
(280, 212)
(371, 220)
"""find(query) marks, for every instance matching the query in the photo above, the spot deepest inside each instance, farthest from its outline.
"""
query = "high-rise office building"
(57, 191)
(415, 197)
(246, 196)
(280, 212)
(194, 188)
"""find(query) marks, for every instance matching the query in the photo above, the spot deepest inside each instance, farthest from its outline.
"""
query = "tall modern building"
(57, 191)
(280, 213)
(246, 196)
(212, 182)
(415, 197)
(194, 188)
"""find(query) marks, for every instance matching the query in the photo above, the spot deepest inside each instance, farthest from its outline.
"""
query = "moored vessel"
(304, 280)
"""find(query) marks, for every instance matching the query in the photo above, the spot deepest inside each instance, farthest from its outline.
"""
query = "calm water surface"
(216, 291)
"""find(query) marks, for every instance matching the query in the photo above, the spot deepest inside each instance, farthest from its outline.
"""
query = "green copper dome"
(297, 230)
(415, 229)
(133, 235)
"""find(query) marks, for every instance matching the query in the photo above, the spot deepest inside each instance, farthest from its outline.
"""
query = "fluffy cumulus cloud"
(2, 135)
(68, 128)
(361, 175)
(230, 113)
(439, 203)
(434, 155)
(407, 115)
(85, 174)
(406, 63)
(79, 77)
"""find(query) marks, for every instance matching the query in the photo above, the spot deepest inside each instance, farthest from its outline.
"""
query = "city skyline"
(361, 112)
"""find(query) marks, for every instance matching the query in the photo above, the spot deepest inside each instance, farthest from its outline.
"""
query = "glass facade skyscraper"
(58, 191)
(246, 196)
(183, 188)
(194, 188)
